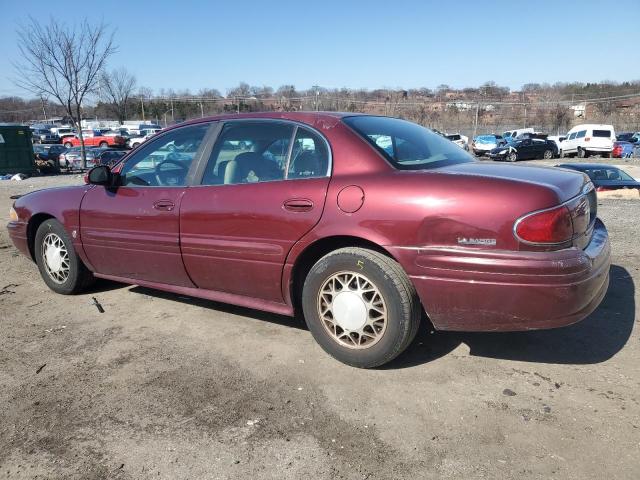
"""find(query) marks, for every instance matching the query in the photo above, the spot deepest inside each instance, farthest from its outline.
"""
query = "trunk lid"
(564, 183)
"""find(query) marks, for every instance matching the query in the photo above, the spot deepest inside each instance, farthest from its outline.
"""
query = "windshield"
(485, 139)
(405, 145)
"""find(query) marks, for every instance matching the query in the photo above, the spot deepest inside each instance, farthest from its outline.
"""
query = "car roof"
(309, 118)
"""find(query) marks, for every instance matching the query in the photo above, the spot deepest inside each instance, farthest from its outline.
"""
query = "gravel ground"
(164, 386)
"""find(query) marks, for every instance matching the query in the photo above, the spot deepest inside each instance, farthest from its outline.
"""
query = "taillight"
(546, 227)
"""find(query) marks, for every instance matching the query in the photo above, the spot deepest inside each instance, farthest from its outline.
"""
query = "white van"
(513, 134)
(588, 139)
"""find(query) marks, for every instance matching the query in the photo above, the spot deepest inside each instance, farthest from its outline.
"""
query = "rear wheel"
(59, 265)
(360, 307)
(582, 153)
(103, 145)
(606, 155)
(68, 144)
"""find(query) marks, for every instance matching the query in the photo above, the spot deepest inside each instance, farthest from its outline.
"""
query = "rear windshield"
(453, 137)
(405, 145)
(486, 139)
(602, 133)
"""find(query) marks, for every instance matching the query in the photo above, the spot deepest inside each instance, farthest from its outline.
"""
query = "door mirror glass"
(100, 175)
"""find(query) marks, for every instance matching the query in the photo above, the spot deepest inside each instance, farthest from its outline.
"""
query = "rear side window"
(405, 145)
(581, 134)
(602, 133)
(309, 156)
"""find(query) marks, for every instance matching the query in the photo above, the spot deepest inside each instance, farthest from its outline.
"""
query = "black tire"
(606, 155)
(103, 145)
(547, 155)
(79, 277)
(561, 155)
(68, 144)
(403, 309)
(512, 157)
(582, 153)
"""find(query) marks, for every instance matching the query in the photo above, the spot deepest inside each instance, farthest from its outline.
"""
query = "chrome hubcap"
(56, 258)
(352, 310)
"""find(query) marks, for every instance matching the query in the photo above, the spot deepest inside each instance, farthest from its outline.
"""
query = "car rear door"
(133, 230)
(262, 189)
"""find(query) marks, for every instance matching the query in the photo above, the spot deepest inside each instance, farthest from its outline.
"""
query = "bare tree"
(63, 62)
(116, 89)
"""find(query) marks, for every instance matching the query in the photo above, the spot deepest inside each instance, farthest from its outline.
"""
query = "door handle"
(298, 205)
(167, 205)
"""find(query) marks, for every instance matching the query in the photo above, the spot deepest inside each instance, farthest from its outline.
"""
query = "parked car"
(138, 129)
(589, 139)
(630, 137)
(361, 241)
(49, 152)
(136, 141)
(63, 132)
(117, 132)
(557, 139)
(460, 140)
(514, 134)
(623, 149)
(483, 144)
(71, 159)
(109, 156)
(605, 177)
(525, 149)
(93, 138)
(44, 136)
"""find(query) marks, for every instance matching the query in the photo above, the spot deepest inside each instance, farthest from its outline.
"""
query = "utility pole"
(44, 111)
(201, 110)
(142, 103)
(475, 123)
(525, 115)
(317, 88)
(173, 120)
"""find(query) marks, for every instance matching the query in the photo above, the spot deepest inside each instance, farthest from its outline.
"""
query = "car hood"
(566, 184)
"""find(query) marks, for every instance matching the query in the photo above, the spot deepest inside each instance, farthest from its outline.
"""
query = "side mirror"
(100, 175)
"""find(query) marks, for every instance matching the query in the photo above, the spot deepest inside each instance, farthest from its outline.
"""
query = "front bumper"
(18, 235)
(467, 289)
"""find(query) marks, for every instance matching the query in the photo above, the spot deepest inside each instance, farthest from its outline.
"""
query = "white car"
(136, 141)
(588, 139)
(461, 140)
(557, 139)
(513, 134)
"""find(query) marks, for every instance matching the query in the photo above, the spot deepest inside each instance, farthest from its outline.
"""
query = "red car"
(363, 223)
(93, 138)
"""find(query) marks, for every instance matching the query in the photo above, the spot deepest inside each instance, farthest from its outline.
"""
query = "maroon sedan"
(363, 223)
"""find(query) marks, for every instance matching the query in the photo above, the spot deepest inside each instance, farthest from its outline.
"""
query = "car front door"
(262, 189)
(132, 230)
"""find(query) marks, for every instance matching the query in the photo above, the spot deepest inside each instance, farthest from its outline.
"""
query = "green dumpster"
(16, 150)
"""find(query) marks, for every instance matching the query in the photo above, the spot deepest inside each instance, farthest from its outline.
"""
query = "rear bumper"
(468, 289)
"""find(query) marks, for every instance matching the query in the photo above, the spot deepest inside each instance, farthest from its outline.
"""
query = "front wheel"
(68, 144)
(512, 156)
(360, 307)
(547, 155)
(59, 265)
(582, 153)
(103, 145)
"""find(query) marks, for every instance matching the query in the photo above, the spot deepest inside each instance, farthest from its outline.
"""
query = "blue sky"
(370, 44)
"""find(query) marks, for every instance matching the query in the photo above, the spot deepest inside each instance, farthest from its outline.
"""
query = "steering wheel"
(159, 174)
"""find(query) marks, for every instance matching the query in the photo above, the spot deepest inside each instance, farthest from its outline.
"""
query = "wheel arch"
(32, 227)
(314, 252)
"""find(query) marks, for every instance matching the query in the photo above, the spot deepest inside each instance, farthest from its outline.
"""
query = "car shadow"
(595, 339)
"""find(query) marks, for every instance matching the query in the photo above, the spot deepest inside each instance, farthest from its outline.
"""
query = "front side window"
(581, 134)
(249, 152)
(572, 136)
(166, 160)
(405, 145)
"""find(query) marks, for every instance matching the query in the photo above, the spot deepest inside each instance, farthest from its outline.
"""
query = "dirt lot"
(163, 386)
